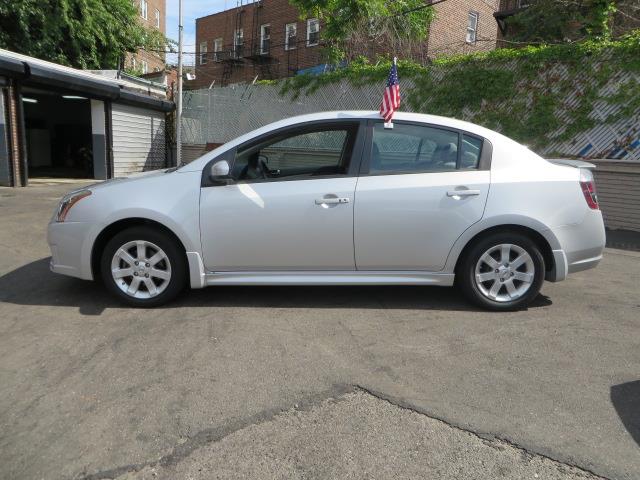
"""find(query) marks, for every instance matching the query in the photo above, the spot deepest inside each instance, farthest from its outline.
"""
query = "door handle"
(462, 193)
(332, 201)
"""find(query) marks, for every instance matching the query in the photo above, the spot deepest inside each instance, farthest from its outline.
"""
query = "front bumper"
(69, 253)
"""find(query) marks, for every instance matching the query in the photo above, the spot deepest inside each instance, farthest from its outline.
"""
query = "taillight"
(588, 186)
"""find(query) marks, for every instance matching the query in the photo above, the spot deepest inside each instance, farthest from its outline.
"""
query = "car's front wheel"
(503, 271)
(143, 267)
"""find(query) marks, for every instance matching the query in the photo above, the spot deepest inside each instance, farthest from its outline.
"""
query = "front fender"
(170, 200)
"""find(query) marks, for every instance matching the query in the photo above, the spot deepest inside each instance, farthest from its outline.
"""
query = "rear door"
(420, 188)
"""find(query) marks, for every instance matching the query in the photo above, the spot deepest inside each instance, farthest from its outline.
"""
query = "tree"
(354, 28)
(627, 17)
(555, 21)
(88, 34)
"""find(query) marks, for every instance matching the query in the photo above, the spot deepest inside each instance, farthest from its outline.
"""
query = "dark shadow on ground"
(626, 400)
(35, 284)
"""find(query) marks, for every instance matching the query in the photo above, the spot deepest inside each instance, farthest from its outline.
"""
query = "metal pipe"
(179, 99)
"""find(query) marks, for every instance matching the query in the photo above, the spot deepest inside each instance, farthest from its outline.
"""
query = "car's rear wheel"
(143, 267)
(503, 271)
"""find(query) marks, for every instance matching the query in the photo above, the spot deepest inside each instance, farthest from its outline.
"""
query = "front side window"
(472, 27)
(290, 34)
(313, 32)
(203, 53)
(143, 9)
(297, 156)
(265, 39)
(420, 149)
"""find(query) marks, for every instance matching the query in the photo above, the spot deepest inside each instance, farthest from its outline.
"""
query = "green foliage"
(520, 92)
(349, 22)
(554, 21)
(79, 33)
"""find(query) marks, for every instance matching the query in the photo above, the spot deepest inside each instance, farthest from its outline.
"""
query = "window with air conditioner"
(313, 32)
(290, 34)
(265, 39)
(472, 27)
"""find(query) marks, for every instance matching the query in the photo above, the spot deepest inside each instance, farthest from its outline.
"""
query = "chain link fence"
(611, 124)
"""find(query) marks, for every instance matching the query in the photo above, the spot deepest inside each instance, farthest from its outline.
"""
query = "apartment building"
(152, 15)
(267, 39)
(463, 26)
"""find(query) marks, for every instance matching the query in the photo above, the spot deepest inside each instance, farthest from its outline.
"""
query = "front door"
(290, 205)
(421, 188)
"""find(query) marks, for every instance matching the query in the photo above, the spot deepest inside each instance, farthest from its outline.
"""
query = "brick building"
(152, 15)
(267, 39)
(264, 38)
(463, 26)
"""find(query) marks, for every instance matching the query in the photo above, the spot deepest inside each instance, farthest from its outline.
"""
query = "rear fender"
(501, 220)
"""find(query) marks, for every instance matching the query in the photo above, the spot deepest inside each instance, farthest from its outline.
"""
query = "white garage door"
(139, 142)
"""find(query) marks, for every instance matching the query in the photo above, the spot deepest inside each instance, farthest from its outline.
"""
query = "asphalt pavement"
(311, 382)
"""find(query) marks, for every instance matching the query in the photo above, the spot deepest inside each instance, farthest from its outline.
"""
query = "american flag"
(391, 95)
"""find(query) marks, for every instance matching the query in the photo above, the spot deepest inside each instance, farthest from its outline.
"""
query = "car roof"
(347, 115)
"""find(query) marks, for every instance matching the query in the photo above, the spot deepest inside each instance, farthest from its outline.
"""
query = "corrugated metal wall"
(139, 139)
(618, 185)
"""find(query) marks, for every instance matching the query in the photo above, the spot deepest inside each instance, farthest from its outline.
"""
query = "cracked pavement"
(261, 382)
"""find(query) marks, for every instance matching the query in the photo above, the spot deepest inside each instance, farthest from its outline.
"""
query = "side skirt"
(329, 278)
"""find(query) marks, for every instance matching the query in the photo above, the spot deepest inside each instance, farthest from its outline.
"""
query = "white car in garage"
(335, 198)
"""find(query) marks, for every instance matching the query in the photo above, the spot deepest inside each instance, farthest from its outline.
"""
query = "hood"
(131, 178)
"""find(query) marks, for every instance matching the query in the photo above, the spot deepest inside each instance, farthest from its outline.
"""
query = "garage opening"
(58, 134)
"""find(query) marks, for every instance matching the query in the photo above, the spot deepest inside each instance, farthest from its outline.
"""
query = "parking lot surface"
(311, 382)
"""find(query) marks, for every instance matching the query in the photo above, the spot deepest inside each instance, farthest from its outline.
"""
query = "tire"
(143, 267)
(490, 281)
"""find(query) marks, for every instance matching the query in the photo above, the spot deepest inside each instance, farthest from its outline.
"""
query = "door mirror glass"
(220, 170)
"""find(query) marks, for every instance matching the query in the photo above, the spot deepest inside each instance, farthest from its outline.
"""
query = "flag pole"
(179, 99)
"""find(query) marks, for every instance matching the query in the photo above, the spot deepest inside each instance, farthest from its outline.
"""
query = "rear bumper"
(582, 246)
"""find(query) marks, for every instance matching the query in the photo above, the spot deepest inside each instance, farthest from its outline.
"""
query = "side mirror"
(220, 171)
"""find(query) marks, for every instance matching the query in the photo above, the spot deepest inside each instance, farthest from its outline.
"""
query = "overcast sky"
(191, 10)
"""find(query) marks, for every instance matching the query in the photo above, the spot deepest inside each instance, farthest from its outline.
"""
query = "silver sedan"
(339, 198)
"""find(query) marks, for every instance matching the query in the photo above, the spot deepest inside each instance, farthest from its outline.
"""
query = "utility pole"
(179, 99)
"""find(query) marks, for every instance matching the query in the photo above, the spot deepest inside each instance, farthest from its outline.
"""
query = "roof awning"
(33, 71)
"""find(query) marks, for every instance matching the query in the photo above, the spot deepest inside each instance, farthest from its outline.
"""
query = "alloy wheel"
(141, 269)
(504, 272)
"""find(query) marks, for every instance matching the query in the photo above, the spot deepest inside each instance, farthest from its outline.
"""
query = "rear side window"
(471, 150)
(419, 149)
(297, 155)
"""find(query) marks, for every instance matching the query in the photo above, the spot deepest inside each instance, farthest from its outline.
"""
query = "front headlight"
(69, 201)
